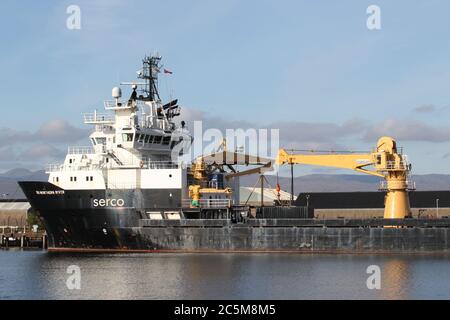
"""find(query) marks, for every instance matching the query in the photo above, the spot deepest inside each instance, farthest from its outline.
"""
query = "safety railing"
(155, 165)
(396, 165)
(54, 168)
(98, 118)
(145, 164)
(159, 165)
(208, 203)
(109, 104)
(410, 185)
(122, 185)
(61, 167)
(80, 150)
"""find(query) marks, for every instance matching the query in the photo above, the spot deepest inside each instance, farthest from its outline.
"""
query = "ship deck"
(299, 223)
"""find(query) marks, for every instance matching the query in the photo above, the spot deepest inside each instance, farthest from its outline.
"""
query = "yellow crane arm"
(386, 161)
(354, 161)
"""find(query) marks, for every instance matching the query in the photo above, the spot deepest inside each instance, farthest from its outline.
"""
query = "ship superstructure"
(133, 142)
(131, 173)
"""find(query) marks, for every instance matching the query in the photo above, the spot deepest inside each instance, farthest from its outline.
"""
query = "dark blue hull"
(96, 218)
(75, 222)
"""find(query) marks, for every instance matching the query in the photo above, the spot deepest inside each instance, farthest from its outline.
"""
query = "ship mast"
(149, 74)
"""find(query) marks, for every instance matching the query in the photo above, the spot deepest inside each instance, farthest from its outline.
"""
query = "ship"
(131, 191)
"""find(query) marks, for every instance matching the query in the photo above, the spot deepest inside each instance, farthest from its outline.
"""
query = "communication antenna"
(149, 73)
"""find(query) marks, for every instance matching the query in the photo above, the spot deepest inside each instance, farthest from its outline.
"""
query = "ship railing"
(159, 165)
(62, 167)
(208, 203)
(98, 118)
(410, 185)
(122, 185)
(146, 164)
(396, 165)
(113, 105)
(80, 150)
(54, 168)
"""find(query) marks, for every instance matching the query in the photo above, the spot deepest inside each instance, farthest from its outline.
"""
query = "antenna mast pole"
(150, 72)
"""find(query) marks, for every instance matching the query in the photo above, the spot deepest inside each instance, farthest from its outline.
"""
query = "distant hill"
(307, 183)
(347, 182)
(8, 181)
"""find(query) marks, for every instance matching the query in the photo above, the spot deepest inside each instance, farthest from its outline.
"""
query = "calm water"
(42, 275)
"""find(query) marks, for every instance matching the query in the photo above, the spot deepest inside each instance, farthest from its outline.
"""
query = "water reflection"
(395, 277)
(41, 275)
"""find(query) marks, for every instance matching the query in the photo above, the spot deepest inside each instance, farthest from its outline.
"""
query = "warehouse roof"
(269, 194)
(7, 206)
(358, 200)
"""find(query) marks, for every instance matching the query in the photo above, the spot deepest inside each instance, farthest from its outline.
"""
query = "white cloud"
(41, 151)
(60, 131)
(408, 130)
(54, 131)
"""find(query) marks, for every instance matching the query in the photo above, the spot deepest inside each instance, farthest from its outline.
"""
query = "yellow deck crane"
(386, 162)
(204, 166)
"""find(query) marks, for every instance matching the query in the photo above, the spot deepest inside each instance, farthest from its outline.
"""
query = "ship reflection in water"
(41, 275)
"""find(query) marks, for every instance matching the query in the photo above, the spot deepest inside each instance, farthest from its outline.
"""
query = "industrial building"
(424, 204)
(252, 196)
(13, 215)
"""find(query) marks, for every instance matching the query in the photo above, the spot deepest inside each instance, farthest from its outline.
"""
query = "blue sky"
(312, 68)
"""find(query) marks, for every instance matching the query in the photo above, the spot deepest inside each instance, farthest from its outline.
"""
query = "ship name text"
(49, 192)
(108, 202)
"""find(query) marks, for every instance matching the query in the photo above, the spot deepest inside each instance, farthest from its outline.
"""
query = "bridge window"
(157, 139)
(101, 141)
(127, 137)
(166, 140)
(378, 159)
(147, 138)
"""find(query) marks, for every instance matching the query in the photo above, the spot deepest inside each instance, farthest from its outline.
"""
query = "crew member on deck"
(133, 96)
